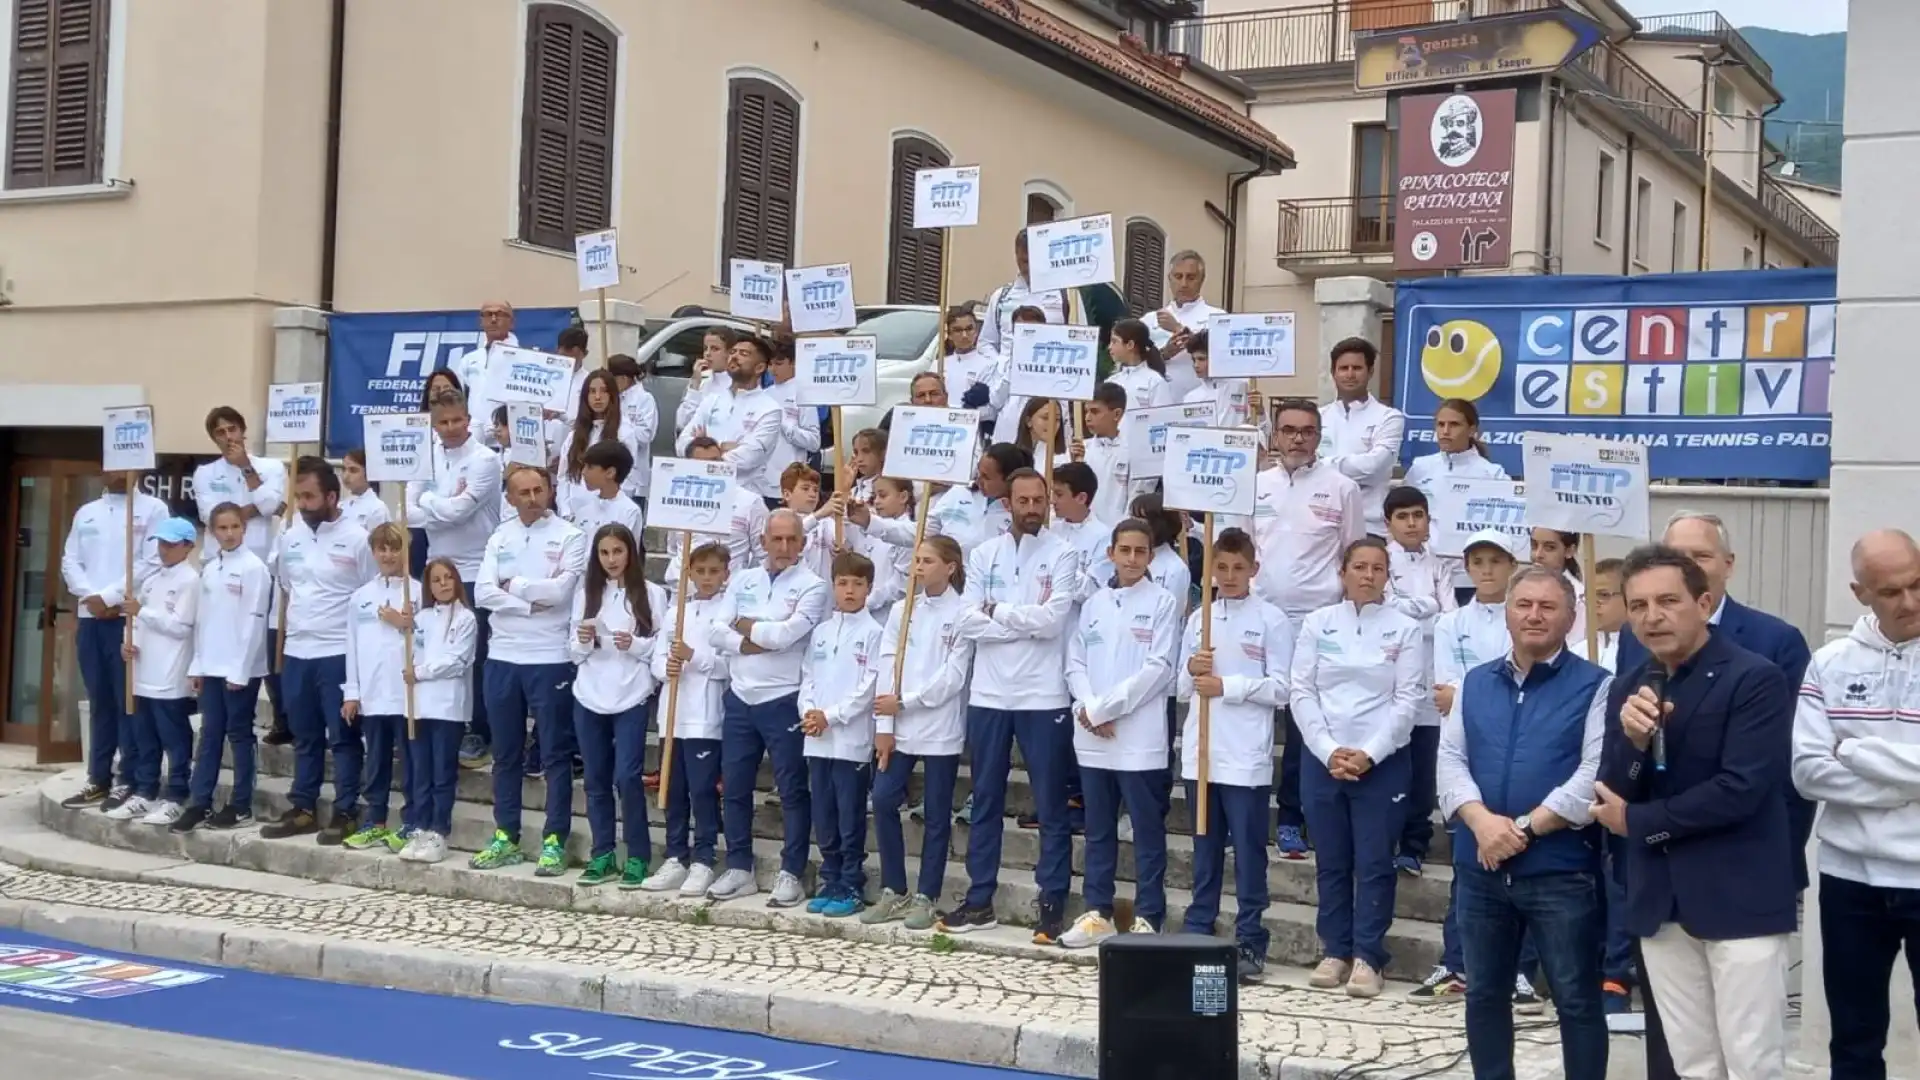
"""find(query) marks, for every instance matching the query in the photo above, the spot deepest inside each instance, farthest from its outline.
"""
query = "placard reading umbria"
(1464, 507)
(756, 290)
(399, 447)
(1069, 254)
(946, 198)
(696, 496)
(1583, 485)
(1144, 433)
(127, 439)
(527, 435)
(1211, 470)
(527, 375)
(836, 370)
(596, 259)
(1250, 346)
(1056, 361)
(820, 298)
(935, 445)
(293, 412)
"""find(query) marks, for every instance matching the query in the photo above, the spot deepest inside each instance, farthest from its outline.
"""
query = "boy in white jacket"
(1421, 587)
(1105, 453)
(693, 787)
(163, 612)
(1120, 672)
(599, 498)
(838, 674)
(229, 660)
(446, 634)
(379, 615)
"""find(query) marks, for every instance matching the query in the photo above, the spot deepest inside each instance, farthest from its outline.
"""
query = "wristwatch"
(1525, 824)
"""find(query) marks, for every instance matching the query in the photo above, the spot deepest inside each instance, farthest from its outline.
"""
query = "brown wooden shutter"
(913, 259)
(566, 155)
(763, 173)
(56, 112)
(1144, 278)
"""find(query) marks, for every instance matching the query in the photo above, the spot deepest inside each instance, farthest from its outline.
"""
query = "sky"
(1802, 16)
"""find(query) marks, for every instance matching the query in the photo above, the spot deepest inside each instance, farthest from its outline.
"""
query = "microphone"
(1657, 682)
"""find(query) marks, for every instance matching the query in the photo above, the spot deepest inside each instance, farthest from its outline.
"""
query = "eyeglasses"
(1299, 432)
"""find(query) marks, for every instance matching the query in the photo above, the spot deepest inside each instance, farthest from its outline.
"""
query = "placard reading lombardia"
(690, 495)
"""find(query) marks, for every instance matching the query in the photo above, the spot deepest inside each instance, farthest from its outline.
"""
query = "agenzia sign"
(1584, 485)
(935, 445)
(399, 447)
(946, 198)
(692, 495)
(836, 370)
(1069, 254)
(1054, 361)
(128, 442)
(755, 290)
(1211, 470)
(293, 412)
(821, 298)
(1250, 346)
(1466, 506)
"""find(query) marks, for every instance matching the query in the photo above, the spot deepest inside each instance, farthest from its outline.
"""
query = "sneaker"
(502, 850)
(87, 796)
(1440, 987)
(820, 900)
(772, 799)
(1408, 865)
(230, 817)
(337, 830)
(433, 847)
(889, 907)
(190, 819)
(131, 807)
(295, 822)
(1616, 997)
(787, 891)
(415, 847)
(1292, 844)
(1124, 831)
(1329, 974)
(917, 812)
(1141, 926)
(397, 841)
(1028, 821)
(1087, 931)
(844, 904)
(965, 919)
(600, 869)
(1365, 982)
(919, 914)
(667, 878)
(116, 795)
(1052, 925)
(634, 874)
(369, 836)
(553, 858)
(280, 735)
(964, 815)
(474, 752)
(733, 885)
(699, 880)
(1525, 1000)
(163, 813)
(1251, 965)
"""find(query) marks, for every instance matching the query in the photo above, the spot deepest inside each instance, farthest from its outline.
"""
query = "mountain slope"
(1811, 73)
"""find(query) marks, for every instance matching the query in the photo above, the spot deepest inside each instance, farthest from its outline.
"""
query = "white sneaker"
(435, 849)
(786, 891)
(415, 844)
(699, 880)
(1125, 831)
(733, 885)
(1087, 931)
(667, 877)
(1140, 926)
(134, 807)
(165, 812)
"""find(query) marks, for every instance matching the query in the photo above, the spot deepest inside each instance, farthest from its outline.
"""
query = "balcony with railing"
(1707, 28)
(1631, 86)
(1335, 235)
(1794, 215)
(1317, 35)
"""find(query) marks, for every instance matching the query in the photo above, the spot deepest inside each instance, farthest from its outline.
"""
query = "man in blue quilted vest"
(1518, 755)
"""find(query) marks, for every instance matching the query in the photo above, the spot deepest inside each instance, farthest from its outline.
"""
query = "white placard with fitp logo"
(531, 376)
(1069, 254)
(696, 496)
(293, 412)
(1055, 360)
(836, 370)
(755, 290)
(1463, 507)
(399, 446)
(596, 256)
(1211, 470)
(1144, 433)
(527, 435)
(820, 298)
(946, 198)
(935, 445)
(1250, 346)
(127, 441)
(1580, 484)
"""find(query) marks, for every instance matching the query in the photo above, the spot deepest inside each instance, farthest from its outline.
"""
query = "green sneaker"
(369, 836)
(553, 858)
(398, 840)
(598, 871)
(501, 851)
(636, 873)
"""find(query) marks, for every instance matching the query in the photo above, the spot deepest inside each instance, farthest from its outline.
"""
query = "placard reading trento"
(596, 258)
(528, 375)
(399, 447)
(755, 290)
(836, 370)
(1069, 254)
(1250, 346)
(1211, 470)
(1586, 485)
(1055, 361)
(127, 440)
(1464, 507)
(935, 445)
(527, 435)
(1144, 433)
(946, 198)
(691, 495)
(821, 298)
(293, 412)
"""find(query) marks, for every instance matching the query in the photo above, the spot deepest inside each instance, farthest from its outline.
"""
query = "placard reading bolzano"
(539, 378)
(527, 435)
(1211, 470)
(399, 447)
(293, 412)
(1051, 360)
(1585, 485)
(1069, 254)
(126, 443)
(1464, 507)
(755, 290)
(696, 496)
(836, 370)
(822, 298)
(1250, 346)
(596, 258)
(946, 198)
(935, 445)
(1144, 433)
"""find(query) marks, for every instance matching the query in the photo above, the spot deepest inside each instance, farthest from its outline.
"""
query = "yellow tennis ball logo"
(1461, 359)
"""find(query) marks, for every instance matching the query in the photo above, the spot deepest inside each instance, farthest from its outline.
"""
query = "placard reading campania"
(1069, 254)
(946, 198)
(1056, 361)
(696, 496)
(836, 370)
(1252, 346)
(1582, 485)
(1211, 470)
(127, 439)
(935, 445)
(399, 447)
(1466, 506)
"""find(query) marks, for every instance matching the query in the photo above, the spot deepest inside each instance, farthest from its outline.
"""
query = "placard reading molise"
(755, 290)
(696, 496)
(1576, 483)
(399, 447)
(1464, 507)
(528, 375)
(527, 435)
(1069, 254)
(935, 445)
(821, 298)
(946, 198)
(1250, 346)
(293, 412)
(1051, 360)
(127, 442)
(1211, 470)
(836, 370)
(1144, 433)
(596, 259)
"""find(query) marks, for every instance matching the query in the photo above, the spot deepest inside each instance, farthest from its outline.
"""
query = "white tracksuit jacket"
(1421, 587)
(376, 669)
(1363, 442)
(703, 679)
(1253, 655)
(1120, 670)
(231, 640)
(1020, 648)
(839, 672)
(459, 525)
(320, 571)
(163, 632)
(785, 609)
(610, 680)
(932, 721)
(527, 580)
(445, 637)
(1356, 680)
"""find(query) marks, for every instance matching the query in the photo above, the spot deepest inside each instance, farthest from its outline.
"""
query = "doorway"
(39, 666)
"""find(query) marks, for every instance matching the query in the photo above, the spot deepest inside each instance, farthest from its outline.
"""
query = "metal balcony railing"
(1318, 34)
(1331, 228)
(1708, 27)
(1633, 87)
(1792, 213)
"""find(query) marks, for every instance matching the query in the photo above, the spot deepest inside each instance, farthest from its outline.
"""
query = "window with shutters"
(1143, 279)
(763, 173)
(56, 93)
(913, 255)
(567, 126)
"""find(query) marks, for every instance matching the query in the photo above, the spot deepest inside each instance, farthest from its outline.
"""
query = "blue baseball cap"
(177, 531)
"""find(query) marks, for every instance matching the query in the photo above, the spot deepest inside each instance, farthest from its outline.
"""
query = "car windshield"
(903, 333)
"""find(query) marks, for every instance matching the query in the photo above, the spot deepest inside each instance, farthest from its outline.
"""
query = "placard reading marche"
(527, 375)
(756, 290)
(946, 198)
(597, 258)
(696, 496)
(935, 445)
(527, 434)
(127, 444)
(1069, 254)
(293, 412)
(1144, 433)
(399, 447)
(1586, 485)
(1250, 346)
(822, 298)
(1211, 470)
(1051, 360)
(1464, 507)
(836, 370)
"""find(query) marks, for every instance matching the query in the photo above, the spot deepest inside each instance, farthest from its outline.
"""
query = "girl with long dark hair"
(1137, 366)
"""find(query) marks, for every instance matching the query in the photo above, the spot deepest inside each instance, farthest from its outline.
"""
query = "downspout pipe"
(330, 213)
(1232, 254)
(1630, 196)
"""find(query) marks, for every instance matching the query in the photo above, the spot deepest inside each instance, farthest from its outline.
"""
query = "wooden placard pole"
(906, 610)
(1079, 422)
(839, 477)
(940, 332)
(1586, 578)
(1203, 755)
(126, 621)
(286, 595)
(673, 686)
(606, 352)
(406, 608)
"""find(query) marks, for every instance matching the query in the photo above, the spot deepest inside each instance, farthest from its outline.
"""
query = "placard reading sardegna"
(1720, 375)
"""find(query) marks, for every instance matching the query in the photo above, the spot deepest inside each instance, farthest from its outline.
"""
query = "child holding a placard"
(1105, 453)
(445, 635)
(163, 613)
(800, 490)
(600, 498)
(1421, 586)
(375, 692)
(361, 503)
(839, 673)
(886, 537)
(229, 660)
(1236, 402)
(685, 652)
(869, 457)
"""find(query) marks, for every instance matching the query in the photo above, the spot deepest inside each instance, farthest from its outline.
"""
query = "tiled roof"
(1135, 69)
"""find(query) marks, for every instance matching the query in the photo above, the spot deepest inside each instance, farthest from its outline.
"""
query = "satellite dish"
(1789, 169)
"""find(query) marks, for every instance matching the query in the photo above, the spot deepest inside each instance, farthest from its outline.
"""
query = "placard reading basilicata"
(935, 445)
(293, 412)
(836, 370)
(1467, 506)
(692, 495)
(1069, 254)
(399, 447)
(1585, 485)
(1211, 470)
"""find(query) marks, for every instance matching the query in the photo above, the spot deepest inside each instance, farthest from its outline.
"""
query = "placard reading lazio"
(1069, 254)
(399, 447)
(822, 298)
(946, 198)
(596, 258)
(1583, 485)
(293, 412)
(127, 443)
(1056, 361)
(1211, 470)
(836, 370)
(527, 375)
(1464, 507)
(527, 435)
(935, 445)
(1250, 346)
(690, 495)
(1144, 433)
(756, 290)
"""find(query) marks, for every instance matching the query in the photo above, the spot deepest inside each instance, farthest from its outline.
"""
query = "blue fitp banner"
(1720, 375)
(378, 363)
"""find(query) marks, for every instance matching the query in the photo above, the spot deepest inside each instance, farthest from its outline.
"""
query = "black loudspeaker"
(1169, 1008)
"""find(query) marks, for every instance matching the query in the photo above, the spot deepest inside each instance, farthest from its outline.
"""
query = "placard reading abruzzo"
(293, 412)
(527, 375)
(690, 495)
(755, 290)
(1580, 484)
(946, 198)
(596, 259)
(127, 439)
(1056, 361)
(1211, 470)
(399, 447)
(527, 435)
(1069, 254)
(935, 445)
(821, 298)
(1250, 346)
(1144, 433)
(836, 370)
(1466, 506)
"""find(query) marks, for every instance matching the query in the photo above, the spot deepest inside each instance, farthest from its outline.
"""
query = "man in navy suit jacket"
(1692, 778)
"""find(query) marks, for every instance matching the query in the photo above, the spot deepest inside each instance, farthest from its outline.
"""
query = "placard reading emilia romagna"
(1720, 375)
(691, 495)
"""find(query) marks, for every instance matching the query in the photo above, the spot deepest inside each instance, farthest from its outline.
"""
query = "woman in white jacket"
(229, 660)
(1462, 456)
(445, 634)
(1357, 679)
(615, 616)
(685, 651)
